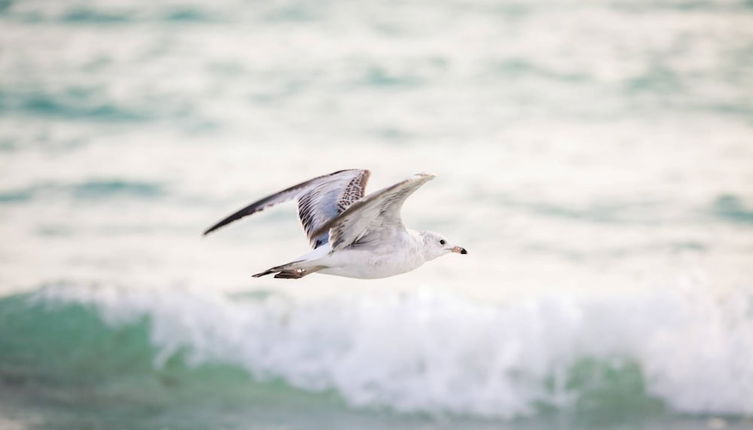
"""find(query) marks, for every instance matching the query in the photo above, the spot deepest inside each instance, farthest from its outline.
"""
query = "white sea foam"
(433, 352)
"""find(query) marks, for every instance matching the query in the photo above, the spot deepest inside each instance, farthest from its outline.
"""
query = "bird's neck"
(418, 244)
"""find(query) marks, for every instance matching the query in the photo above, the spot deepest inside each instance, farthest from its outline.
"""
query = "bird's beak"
(459, 250)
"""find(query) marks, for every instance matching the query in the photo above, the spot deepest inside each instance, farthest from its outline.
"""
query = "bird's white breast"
(388, 259)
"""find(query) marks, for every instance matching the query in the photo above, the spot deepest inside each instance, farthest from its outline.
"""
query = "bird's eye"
(442, 241)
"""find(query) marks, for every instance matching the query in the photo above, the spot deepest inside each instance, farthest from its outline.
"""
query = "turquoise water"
(64, 365)
(594, 158)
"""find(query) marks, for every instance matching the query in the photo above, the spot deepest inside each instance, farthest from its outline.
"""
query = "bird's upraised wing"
(377, 211)
(319, 200)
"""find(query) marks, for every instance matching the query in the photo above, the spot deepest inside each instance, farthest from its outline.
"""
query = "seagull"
(352, 234)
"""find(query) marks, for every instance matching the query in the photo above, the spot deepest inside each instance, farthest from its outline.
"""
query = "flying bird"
(352, 234)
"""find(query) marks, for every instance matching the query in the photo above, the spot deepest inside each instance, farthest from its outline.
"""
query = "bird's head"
(436, 245)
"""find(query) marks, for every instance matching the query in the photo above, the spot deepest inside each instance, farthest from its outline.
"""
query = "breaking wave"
(686, 351)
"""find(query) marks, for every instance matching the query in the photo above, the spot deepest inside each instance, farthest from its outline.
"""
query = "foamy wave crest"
(435, 352)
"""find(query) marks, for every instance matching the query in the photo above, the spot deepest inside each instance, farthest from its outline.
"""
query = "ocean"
(595, 158)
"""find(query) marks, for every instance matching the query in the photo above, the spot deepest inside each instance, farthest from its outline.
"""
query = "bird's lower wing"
(377, 211)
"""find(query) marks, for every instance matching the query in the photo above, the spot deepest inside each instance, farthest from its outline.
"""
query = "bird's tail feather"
(292, 270)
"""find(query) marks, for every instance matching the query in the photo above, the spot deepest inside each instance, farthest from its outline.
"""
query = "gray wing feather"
(319, 200)
(377, 211)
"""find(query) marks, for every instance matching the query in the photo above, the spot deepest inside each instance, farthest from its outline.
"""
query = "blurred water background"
(594, 157)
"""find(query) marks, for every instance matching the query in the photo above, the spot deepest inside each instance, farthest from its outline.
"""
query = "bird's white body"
(353, 235)
(400, 253)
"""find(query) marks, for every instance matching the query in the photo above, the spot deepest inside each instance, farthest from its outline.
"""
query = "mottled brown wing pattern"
(353, 192)
(328, 199)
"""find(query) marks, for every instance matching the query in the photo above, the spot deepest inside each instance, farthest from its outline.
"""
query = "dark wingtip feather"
(217, 226)
(251, 209)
